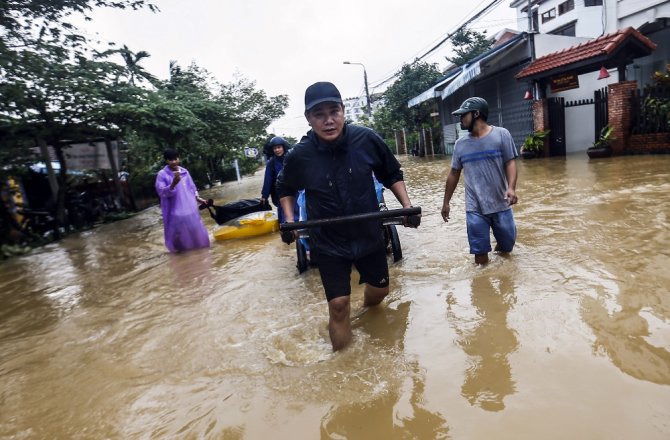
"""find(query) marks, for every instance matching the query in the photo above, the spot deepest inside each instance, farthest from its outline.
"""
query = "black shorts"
(336, 272)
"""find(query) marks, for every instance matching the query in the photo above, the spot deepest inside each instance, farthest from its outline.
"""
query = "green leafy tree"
(28, 23)
(51, 91)
(208, 122)
(55, 88)
(52, 99)
(394, 114)
(468, 44)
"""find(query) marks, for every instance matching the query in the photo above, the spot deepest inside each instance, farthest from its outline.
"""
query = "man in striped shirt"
(487, 154)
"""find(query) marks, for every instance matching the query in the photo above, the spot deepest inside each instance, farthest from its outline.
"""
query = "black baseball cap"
(321, 92)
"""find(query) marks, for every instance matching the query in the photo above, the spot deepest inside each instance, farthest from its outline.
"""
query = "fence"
(650, 110)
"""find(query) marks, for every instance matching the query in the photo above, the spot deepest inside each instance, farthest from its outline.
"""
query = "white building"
(581, 18)
(586, 20)
(559, 56)
(589, 18)
(594, 18)
(356, 107)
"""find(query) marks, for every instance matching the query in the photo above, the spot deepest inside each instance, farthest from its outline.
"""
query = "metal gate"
(557, 118)
(600, 102)
(557, 126)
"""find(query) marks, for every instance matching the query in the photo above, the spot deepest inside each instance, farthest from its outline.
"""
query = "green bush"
(535, 141)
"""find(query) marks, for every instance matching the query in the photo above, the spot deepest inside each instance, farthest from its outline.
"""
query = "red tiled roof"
(600, 46)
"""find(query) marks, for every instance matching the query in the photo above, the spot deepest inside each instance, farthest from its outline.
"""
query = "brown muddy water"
(106, 336)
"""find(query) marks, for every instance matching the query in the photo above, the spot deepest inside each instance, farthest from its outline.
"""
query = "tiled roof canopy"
(612, 50)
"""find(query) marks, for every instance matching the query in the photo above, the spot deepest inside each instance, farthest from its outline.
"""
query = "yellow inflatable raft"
(250, 225)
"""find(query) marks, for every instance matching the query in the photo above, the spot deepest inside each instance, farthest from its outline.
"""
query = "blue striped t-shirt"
(483, 163)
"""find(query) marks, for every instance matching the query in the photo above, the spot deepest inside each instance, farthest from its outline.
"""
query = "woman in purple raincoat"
(183, 225)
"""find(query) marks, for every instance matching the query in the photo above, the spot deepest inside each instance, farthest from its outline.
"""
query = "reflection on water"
(621, 335)
(396, 409)
(106, 335)
(488, 341)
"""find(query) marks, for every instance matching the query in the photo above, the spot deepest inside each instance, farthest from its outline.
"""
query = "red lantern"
(603, 73)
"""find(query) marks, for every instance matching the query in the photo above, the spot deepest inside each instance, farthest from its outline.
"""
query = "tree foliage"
(468, 44)
(394, 114)
(28, 24)
(57, 89)
(133, 70)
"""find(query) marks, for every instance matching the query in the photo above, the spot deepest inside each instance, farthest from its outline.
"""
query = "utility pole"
(367, 91)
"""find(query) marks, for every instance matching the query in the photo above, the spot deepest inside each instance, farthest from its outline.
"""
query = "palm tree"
(133, 69)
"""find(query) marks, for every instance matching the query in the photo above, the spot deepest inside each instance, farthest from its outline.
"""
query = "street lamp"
(367, 92)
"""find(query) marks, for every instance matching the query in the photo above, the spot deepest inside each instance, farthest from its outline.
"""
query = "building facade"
(356, 107)
(559, 30)
(632, 38)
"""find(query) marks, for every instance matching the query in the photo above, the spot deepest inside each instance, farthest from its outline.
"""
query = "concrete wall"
(635, 13)
(546, 43)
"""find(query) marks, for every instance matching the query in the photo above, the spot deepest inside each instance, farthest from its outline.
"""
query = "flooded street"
(106, 335)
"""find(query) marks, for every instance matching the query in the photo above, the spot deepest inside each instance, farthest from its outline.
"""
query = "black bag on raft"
(230, 211)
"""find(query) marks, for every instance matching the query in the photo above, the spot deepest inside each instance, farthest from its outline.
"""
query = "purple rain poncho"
(184, 229)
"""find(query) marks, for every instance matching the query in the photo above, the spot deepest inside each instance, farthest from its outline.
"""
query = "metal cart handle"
(395, 214)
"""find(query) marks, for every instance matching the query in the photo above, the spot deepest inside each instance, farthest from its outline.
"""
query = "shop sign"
(564, 82)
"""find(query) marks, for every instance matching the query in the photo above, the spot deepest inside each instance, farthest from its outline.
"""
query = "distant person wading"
(183, 226)
(487, 154)
(275, 150)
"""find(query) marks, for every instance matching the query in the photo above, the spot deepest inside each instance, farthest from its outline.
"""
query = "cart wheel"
(302, 256)
(394, 240)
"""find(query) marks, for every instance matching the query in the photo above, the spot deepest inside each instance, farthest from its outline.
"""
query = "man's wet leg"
(374, 295)
(339, 324)
(481, 258)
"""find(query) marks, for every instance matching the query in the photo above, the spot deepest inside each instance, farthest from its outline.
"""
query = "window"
(566, 6)
(549, 15)
(593, 2)
(567, 30)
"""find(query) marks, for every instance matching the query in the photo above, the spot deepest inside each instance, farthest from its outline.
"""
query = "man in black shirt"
(334, 164)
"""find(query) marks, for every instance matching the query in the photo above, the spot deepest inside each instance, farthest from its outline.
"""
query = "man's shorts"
(479, 226)
(336, 272)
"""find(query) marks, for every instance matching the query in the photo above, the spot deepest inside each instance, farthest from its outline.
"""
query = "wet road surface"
(106, 335)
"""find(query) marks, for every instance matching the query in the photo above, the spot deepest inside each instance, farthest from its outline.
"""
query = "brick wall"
(618, 113)
(648, 143)
(540, 115)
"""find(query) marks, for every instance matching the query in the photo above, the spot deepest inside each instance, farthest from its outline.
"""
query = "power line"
(478, 15)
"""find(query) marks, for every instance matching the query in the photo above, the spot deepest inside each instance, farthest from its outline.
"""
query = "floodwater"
(106, 336)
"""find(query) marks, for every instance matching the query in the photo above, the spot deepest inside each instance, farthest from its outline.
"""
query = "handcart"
(390, 218)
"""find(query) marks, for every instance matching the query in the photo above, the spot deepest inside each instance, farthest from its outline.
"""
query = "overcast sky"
(286, 45)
